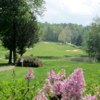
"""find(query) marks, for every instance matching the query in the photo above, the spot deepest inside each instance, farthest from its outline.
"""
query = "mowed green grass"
(91, 71)
(52, 49)
(49, 49)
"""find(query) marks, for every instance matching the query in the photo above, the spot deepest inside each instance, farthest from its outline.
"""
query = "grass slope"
(51, 49)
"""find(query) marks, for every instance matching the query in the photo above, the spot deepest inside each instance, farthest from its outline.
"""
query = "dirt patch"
(68, 50)
(6, 68)
(75, 50)
(45, 42)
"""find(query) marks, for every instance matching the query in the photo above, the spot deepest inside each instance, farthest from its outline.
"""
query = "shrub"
(29, 61)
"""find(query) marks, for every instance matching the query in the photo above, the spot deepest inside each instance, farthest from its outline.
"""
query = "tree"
(65, 35)
(93, 42)
(13, 15)
(72, 33)
(78, 41)
(27, 35)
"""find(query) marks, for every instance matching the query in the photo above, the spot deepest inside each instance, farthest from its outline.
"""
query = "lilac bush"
(74, 86)
(57, 87)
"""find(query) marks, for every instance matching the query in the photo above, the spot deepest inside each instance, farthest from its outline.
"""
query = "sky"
(71, 11)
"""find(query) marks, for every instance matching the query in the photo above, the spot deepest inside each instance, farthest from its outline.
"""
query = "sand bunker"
(68, 50)
(45, 42)
(75, 50)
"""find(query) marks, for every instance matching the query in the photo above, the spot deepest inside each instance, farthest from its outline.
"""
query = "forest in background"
(65, 33)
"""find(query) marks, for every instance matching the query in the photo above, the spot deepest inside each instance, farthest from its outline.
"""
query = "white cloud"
(73, 11)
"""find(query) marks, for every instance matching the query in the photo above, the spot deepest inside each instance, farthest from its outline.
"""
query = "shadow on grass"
(48, 57)
(4, 64)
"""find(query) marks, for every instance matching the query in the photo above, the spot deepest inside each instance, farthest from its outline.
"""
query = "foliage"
(27, 35)
(18, 24)
(7, 56)
(71, 33)
(18, 89)
(29, 61)
(93, 42)
(65, 35)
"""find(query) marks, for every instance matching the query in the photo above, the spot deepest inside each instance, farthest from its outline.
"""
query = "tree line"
(65, 33)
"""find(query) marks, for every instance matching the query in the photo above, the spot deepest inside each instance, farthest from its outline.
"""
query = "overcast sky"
(71, 11)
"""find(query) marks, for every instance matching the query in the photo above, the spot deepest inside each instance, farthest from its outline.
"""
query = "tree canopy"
(18, 24)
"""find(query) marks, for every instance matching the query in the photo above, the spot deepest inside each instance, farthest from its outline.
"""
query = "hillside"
(52, 49)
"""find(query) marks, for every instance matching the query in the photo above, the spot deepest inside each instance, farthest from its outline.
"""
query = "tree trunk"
(10, 57)
(14, 56)
(14, 41)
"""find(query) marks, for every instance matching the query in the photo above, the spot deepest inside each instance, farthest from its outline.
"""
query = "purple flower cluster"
(73, 87)
(60, 88)
(55, 77)
(41, 96)
(89, 97)
(48, 88)
(57, 88)
(29, 74)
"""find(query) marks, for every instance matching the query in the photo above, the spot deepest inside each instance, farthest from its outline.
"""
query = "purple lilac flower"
(48, 88)
(58, 87)
(89, 97)
(29, 74)
(74, 85)
(56, 77)
(51, 76)
(40, 96)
